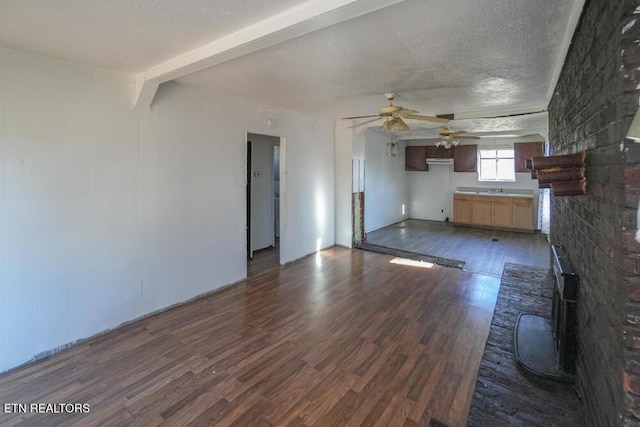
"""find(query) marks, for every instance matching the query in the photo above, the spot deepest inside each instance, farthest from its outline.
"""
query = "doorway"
(263, 202)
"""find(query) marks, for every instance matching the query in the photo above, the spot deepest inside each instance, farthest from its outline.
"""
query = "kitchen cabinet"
(523, 151)
(502, 214)
(416, 158)
(465, 158)
(434, 152)
(463, 209)
(481, 212)
(493, 211)
(523, 213)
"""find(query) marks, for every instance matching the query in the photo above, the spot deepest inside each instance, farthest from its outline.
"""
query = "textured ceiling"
(498, 127)
(440, 56)
(125, 35)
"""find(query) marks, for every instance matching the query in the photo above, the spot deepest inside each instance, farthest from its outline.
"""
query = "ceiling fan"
(394, 115)
(449, 138)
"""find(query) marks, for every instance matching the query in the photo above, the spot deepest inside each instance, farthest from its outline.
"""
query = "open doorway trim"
(283, 241)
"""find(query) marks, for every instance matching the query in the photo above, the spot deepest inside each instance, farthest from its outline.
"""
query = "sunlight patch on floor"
(412, 263)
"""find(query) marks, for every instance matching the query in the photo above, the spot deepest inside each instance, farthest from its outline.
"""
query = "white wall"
(343, 152)
(431, 192)
(386, 183)
(109, 213)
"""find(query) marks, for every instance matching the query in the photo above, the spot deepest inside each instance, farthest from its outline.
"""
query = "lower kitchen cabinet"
(481, 212)
(502, 214)
(493, 211)
(523, 213)
(463, 210)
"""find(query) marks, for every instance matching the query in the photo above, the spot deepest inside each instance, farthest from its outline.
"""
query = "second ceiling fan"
(449, 138)
(394, 115)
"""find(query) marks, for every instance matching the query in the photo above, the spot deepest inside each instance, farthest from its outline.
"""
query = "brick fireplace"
(592, 107)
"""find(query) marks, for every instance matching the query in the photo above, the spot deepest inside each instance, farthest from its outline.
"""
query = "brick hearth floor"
(504, 394)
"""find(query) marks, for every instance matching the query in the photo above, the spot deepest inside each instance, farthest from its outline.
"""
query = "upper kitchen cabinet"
(416, 158)
(523, 151)
(465, 158)
(434, 152)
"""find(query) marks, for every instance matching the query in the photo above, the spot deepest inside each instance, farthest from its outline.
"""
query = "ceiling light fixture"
(394, 124)
(447, 142)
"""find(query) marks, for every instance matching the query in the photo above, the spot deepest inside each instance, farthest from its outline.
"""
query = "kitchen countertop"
(528, 194)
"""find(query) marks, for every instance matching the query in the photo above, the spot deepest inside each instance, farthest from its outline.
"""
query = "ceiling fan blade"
(467, 137)
(424, 118)
(457, 133)
(407, 111)
(360, 117)
(364, 123)
(446, 116)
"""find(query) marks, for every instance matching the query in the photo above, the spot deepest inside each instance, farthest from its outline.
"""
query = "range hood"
(439, 161)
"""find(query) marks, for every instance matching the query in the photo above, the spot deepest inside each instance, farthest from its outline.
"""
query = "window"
(497, 165)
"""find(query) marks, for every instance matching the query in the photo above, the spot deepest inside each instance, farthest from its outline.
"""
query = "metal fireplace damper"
(546, 347)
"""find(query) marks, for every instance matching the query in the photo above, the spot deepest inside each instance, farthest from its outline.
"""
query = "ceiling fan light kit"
(394, 115)
(395, 124)
(449, 138)
(447, 142)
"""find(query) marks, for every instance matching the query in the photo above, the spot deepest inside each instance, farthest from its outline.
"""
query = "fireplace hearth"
(547, 347)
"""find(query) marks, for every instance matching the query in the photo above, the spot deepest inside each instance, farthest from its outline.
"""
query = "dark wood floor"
(263, 261)
(345, 337)
(485, 251)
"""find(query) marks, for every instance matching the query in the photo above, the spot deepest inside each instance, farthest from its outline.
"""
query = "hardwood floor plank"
(263, 261)
(484, 250)
(112, 414)
(340, 338)
(296, 390)
(297, 422)
(323, 402)
(426, 390)
(255, 415)
(340, 414)
(211, 415)
(397, 416)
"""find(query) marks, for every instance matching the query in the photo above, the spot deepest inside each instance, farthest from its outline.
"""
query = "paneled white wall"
(109, 213)
(386, 183)
(343, 137)
(431, 193)
(3, 220)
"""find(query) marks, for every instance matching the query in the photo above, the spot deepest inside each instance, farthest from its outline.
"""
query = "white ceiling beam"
(295, 22)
